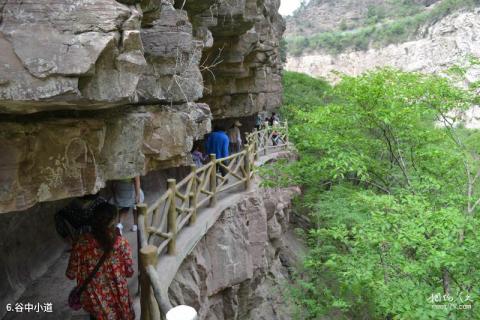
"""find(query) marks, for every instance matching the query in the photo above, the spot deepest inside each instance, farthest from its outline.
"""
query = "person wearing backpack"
(101, 262)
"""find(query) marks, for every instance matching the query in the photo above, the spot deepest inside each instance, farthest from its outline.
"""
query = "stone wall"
(238, 271)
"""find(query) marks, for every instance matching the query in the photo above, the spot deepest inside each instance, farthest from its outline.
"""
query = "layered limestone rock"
(144, 61)
(452, 40)
(84, 54)
(236, 270)
(98, 90)
(241, 63)
(61, 157)
(96, 54)
(172, 53)
(91, 55)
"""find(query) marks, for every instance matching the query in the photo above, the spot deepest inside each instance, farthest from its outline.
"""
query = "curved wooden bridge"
(170, 228)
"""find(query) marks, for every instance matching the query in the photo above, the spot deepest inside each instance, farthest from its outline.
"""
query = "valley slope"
(440, 43)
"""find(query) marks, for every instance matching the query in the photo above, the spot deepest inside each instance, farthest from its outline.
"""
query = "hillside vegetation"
(378, 24)
(393, 198)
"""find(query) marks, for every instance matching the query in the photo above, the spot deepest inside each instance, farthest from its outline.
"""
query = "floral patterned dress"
(106, 296)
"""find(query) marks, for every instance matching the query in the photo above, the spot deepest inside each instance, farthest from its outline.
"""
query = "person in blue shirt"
(217, 143)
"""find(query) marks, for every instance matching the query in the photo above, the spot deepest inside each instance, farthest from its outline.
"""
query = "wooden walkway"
(170, 228)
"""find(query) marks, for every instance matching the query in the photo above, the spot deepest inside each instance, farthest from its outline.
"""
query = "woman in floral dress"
(106, 297)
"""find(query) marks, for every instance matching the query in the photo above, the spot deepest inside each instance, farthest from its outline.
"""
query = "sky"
(288, 6)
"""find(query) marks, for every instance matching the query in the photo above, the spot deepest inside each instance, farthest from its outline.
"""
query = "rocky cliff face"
(326, 15)
(239, 269)
(98, 90)
(59, 157)
(242, 67)
(450, 41)
(101, 89)
(329, 15)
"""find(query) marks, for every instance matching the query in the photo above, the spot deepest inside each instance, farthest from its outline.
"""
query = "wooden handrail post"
(193, 195)
(255, 146)
(246, 166)
(266, 134)
(141, 236)
(148, 303)
(213, 180)
(172, 216)
(142, 216)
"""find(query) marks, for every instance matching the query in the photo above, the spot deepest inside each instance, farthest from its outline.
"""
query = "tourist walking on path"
(217, 143)
(198, 157)
(258, 122)
(274, 118)
(126, 194)
(235, 137)
(276, 138)
(105, 296)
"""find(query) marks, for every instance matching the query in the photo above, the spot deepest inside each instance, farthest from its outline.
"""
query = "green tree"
(392, 196)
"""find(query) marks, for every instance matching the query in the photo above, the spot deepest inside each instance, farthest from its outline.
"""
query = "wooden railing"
(160, 223)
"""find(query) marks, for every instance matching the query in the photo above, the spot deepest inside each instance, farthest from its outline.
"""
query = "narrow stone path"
(54, 287)
(168, 265)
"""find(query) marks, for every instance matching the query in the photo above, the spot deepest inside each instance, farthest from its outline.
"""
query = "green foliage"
(283, 50)
(344, 25)
(393, 22)
(375, 14)
(303, 90)
(386, 191)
